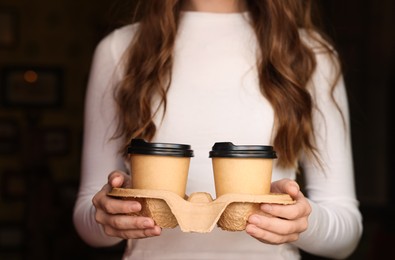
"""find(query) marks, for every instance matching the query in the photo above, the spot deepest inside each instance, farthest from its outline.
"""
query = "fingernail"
(135, 207)
(253, 219)
(115, 182)
(147, 224)
(295, 188)
(266, 207)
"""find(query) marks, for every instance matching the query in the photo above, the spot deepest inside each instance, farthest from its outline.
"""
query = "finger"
(116, 206)
(287, 186)
(130, 226)
(134, 233)
(270, 237)
(124, 222)
(298, 210)
(106, 188)
(278, 226)
(118, 179)
(149, 232)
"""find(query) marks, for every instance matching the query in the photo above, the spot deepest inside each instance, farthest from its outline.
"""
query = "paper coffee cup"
(159, 166)
(242, 169)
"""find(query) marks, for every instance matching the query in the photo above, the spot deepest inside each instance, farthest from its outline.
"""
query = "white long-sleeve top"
(214, 96)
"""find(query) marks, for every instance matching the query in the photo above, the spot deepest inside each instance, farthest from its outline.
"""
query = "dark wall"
(41, 128)
(40, 134)
(363, 31)
(365, 39)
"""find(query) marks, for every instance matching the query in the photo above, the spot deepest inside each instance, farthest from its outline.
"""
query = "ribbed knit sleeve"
(335, 225)
(100, 153)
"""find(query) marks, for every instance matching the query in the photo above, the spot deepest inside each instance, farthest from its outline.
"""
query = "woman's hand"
(278, 224)
(111, 212)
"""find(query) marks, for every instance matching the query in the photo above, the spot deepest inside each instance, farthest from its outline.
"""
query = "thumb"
(286, 186)
(116, 179)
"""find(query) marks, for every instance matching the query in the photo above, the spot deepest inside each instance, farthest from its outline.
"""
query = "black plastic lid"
(229, 150)
(139, 146)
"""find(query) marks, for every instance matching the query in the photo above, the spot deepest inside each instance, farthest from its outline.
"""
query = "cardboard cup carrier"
(242, 175)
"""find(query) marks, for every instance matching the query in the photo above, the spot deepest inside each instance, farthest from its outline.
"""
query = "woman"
(201, 71)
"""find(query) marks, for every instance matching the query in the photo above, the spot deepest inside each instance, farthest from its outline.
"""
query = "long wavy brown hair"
(285, 67)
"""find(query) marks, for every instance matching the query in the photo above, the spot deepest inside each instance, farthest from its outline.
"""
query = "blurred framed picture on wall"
(9, 136)
(14, 185)
(8, 27)
(31, 86)
(56, 141)
(12, 237)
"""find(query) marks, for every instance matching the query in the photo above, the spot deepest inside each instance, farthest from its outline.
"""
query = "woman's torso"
(214, 96)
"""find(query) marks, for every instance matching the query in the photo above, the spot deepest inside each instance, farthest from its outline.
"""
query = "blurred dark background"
(41, 126)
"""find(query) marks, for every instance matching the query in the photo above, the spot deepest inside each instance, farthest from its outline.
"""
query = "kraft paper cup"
(245, 169)
(159, 166)
(241, 169)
